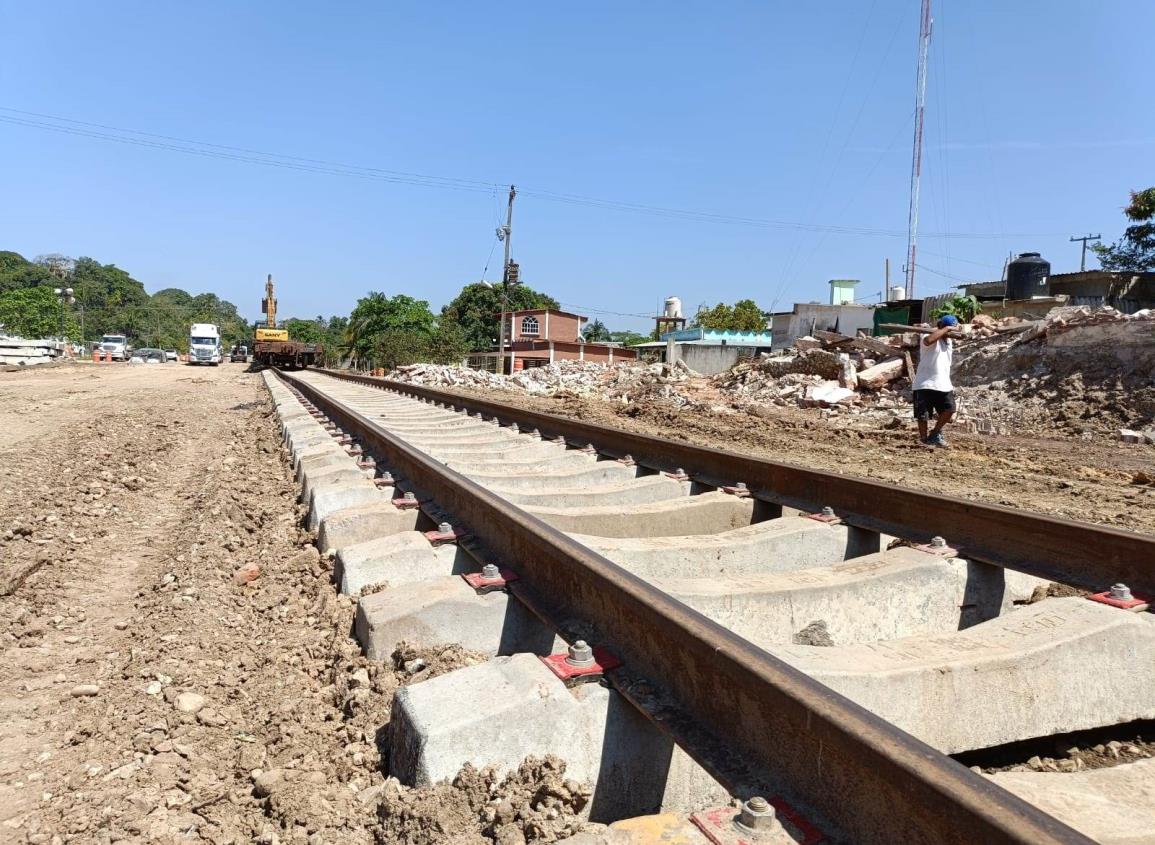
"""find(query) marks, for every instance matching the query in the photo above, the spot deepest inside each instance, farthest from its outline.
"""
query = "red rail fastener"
(444, 533)
(938, 546)
(717, 824)
(406, 502)
(490, 579)
(581, 662)
(1120, 596)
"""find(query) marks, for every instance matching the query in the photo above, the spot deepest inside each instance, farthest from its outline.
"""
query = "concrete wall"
(711, 360)
(812, 316)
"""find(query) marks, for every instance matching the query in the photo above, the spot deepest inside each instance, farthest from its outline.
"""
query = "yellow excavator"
(269, 306)
(272, 347)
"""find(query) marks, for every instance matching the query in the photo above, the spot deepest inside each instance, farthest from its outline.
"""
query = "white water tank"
(673, 306)
(896, 294)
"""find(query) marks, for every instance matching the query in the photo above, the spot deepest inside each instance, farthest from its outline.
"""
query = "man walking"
(933, 391)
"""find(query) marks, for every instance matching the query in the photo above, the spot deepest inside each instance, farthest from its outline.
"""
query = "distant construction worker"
(933, 391)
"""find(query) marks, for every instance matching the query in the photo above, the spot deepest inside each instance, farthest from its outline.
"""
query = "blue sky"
(1038, 125)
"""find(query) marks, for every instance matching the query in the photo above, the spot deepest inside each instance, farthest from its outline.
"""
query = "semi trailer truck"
(204, 344)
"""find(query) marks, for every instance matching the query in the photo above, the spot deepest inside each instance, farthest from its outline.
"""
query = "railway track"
(755, 629)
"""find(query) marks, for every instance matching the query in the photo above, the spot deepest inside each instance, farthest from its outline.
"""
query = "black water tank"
(1028, 276)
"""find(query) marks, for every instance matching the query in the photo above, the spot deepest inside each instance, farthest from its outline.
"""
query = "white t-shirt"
(934, 362)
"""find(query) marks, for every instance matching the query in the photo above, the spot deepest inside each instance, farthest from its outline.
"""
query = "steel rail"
(873, 782)
(1072, 552)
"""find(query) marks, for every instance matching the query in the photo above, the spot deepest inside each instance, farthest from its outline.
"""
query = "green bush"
(963, 307)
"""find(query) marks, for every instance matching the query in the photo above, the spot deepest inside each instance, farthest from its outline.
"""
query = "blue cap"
(948, 320)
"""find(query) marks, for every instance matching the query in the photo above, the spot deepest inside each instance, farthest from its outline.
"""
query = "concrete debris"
(1080, 370)
(1083, 370)
(625, 382)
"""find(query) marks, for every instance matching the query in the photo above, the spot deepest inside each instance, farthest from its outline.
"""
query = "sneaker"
(936, 440)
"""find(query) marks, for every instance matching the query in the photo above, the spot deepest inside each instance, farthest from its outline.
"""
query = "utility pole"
(1083, 255)
(505, 233)
(916, 163)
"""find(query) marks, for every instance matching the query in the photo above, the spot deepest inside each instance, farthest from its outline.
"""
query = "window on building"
(529, 325)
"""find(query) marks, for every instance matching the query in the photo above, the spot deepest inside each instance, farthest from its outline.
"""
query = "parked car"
(148, 356)
(170, 354)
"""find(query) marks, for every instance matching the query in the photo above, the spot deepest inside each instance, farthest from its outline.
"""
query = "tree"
(113, 302)
(628, 338)
(596, 332)
(34, 313)
(18, 272)
(963, 307)
(449, 345)
(397, 348)
(1136, 250)
(307, 331)
(377, 315)
(743, 316)
(477, 309)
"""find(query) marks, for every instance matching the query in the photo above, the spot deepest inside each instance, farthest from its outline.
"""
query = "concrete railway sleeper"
(764, 650)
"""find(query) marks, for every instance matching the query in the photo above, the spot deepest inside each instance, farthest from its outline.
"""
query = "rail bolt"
(513, 427)
(490, 572)
(386, 478)
(580, 654)
(757, 817)
(937, 543)
(410, 496)
(828, 511)
(444, 528)
(1121, 592)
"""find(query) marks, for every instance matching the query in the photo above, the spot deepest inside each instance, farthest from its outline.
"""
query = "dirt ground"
(149, 693)
(144, 694)
(151, 689)
(1105, 482)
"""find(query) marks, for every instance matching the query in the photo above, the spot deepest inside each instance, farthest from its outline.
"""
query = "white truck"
(204, 344)
(115, 346)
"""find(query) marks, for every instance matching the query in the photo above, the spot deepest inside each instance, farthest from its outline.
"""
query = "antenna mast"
(916, 163)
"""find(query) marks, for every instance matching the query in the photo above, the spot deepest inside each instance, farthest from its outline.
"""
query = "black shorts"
(932, 402)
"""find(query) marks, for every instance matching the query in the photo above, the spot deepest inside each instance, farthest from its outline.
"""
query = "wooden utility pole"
(506, 234)
(1083, 256)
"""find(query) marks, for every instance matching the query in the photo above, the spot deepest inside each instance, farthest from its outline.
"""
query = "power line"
(244, 155)
(602, 311)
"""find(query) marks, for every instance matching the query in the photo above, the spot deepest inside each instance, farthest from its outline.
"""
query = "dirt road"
(144, 694)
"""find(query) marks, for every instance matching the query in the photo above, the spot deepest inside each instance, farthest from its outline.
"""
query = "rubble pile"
(623, 383)
(1080, 370)
(857, 376)
(440, 375)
